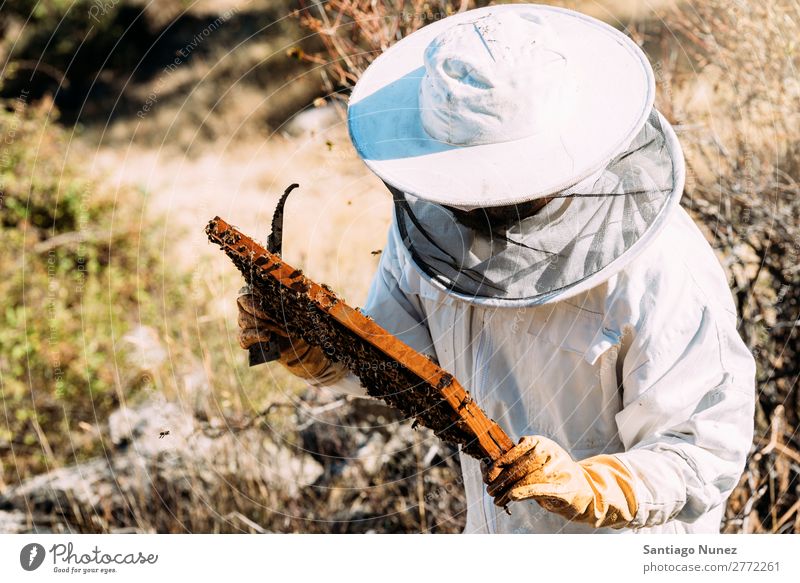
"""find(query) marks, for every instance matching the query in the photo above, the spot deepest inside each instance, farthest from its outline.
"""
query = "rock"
(153, 427)
(147, 472)
(372, 454)
(145, 350)
(74, 491)
(14, 522)
(200, 479)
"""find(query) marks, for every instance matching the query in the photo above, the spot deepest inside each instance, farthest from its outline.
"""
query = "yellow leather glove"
(597, 491)
(296, 355)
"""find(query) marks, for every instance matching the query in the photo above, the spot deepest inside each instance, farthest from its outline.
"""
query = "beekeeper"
(538, 253)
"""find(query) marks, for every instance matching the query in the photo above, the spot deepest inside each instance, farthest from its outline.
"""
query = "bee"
(464, 402)
(376, 252)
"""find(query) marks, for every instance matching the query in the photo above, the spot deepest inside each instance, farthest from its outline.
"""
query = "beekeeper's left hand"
(296, 355)
(597, 491)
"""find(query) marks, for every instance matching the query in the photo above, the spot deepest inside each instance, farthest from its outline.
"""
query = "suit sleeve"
(688, 406)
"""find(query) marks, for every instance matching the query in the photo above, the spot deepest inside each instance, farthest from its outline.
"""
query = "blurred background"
(125, 125)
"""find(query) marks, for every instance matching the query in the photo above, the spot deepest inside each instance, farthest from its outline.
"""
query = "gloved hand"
(300, 358)
(597, 491)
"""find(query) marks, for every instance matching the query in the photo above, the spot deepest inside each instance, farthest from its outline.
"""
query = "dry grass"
(729, 80)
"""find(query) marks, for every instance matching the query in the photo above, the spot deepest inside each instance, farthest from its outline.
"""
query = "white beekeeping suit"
(604, 322)
(647, 365)
(598, 330)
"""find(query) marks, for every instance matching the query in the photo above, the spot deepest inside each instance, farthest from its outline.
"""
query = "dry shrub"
(727, 74)
(354, 32)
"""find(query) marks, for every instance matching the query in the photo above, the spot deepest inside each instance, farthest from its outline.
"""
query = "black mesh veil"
(575, 235)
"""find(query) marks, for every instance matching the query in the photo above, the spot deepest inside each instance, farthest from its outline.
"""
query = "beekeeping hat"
(507, 104)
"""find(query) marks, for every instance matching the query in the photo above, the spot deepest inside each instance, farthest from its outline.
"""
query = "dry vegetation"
(354, 33)
(727, 79)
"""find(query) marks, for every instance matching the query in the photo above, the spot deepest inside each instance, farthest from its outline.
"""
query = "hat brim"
(610, 97)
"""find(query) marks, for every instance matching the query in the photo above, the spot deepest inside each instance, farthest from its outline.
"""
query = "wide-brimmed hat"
(508, 104)
(500, 105)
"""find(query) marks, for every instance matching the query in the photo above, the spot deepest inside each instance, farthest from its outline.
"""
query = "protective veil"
(581, 232)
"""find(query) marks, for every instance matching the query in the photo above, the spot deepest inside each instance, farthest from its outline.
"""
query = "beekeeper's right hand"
(296, 355)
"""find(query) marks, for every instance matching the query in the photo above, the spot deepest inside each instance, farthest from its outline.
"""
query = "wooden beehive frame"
(484, 438)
